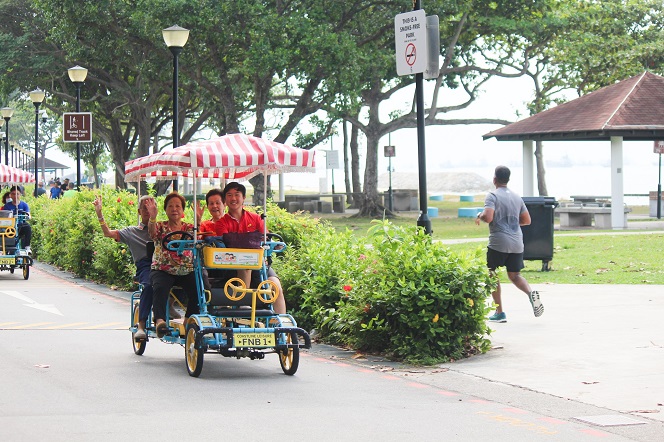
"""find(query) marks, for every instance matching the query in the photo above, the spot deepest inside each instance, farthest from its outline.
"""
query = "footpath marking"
(72, 325)
(37, 324)
(516, 422)
(49, 308)
(108, 324)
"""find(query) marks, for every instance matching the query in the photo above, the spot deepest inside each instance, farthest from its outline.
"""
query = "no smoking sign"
(410, 37)
(411, 54)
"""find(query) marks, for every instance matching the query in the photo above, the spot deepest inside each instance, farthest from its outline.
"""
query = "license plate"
(8, 261)
(253, 340)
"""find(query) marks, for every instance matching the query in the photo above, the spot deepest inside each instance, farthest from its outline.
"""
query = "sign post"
(659, 149)
(331, 161)
(411, 55)
(390, 152)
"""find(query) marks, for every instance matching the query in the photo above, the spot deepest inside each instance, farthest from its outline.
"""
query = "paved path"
(596, 344)
(598, 351)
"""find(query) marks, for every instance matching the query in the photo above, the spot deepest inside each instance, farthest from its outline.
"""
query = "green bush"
(67, 234)
(402, 295)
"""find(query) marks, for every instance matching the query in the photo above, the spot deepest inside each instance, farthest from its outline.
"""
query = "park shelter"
(630, 110)
(46, 165)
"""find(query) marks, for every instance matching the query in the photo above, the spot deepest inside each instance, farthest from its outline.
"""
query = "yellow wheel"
(10, 232)
(289, 358)
(193, 356)
(234, 289)
(139, 346)
(268, 292)
(26, 271)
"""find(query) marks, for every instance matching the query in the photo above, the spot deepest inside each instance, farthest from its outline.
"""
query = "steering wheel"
(167, 238)
(9, 232)
(272, 236)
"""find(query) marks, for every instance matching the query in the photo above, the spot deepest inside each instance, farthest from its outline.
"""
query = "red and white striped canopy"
(11, 175)
(233, 156)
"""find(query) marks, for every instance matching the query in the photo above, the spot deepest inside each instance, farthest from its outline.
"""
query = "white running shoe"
(538, 308)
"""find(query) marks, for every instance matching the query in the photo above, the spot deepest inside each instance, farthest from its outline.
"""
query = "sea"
(563, 182)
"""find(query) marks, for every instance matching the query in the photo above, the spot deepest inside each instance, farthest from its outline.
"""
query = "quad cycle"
(234, 320)
(12, 254)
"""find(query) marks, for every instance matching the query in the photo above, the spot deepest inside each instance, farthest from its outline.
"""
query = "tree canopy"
(290, 70)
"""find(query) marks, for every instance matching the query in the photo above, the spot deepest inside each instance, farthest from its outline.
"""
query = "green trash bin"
(538, 236)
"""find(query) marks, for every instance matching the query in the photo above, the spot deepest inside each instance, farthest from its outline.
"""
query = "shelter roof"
(632, 109)
(46, 164)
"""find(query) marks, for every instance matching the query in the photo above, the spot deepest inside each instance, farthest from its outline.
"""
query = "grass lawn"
(580, 256)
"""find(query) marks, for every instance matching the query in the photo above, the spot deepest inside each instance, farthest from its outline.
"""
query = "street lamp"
(175, 38)
(7, 113)
(37, 96)
(77, 75)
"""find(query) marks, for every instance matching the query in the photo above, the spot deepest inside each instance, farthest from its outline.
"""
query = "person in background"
(64, 186)
(17, 206)
(55, 191)
(71, 192)
(505, 212)
(5, 197)
(40, 190)
(215, 205)
(137, 238)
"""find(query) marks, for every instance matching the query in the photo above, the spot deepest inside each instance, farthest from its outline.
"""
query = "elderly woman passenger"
(169, 269)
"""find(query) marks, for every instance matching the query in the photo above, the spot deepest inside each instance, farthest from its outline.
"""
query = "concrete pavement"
(598, 344)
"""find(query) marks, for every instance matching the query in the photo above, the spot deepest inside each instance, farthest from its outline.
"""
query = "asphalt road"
(69, 374)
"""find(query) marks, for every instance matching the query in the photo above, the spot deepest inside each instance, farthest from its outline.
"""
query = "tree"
(93, 154)
(587, 45)
(270, 68)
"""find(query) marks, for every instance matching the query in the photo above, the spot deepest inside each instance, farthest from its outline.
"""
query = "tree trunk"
(96, 175)
(259, 191)
(349, 189)
(541, 173)
(355, 167)
(370, 206)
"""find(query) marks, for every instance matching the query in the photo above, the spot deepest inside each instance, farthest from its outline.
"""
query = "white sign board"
(659, 146)
(332, 159)
(410, 41)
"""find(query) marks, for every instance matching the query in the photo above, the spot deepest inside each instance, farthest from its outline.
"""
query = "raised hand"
(97, 204)
(151, 206)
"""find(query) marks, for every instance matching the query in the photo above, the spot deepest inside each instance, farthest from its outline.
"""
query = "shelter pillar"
(617, 192)
(282, 193)
(528, 168)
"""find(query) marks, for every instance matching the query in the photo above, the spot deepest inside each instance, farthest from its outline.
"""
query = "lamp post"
(44, 118)
(7, 113)
(77, 75)
(37, 96)
(175, 38)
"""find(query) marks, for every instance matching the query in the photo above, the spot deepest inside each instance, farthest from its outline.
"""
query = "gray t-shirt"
(136, 237)
(504, 231)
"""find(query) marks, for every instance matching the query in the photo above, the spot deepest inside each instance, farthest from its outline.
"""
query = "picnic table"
(586, 209)
(315, 202)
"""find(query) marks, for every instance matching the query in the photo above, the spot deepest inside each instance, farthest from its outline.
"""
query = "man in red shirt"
(238, 220)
